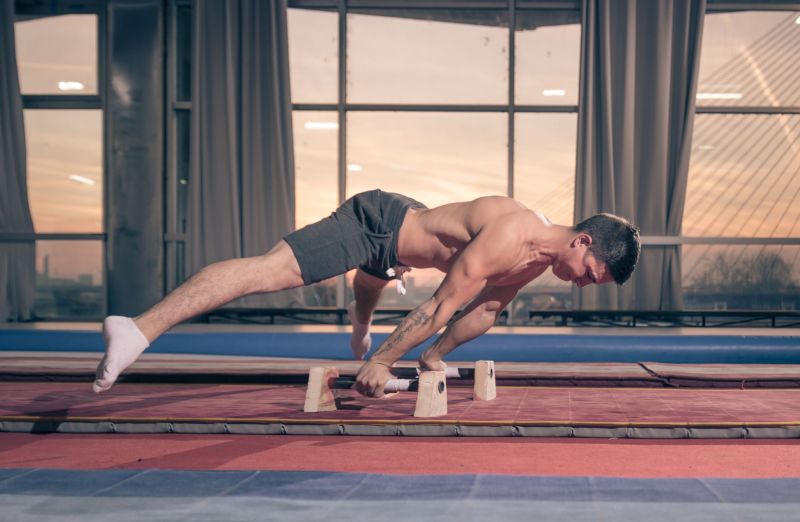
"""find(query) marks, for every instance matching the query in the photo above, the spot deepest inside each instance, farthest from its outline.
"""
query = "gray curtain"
(638, 84)
(17, 259)
(241, 186)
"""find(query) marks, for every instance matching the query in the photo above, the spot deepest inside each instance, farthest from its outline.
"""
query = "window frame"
(174, 235)
(342, 107)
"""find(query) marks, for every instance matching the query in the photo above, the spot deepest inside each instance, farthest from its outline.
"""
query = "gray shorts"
(361, 233)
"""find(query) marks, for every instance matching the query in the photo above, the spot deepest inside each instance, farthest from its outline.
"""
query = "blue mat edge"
(697, 349)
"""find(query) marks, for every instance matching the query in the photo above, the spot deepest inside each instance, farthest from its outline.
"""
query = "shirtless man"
(489, 248)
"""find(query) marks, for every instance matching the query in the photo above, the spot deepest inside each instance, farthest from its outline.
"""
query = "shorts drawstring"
(398, 273)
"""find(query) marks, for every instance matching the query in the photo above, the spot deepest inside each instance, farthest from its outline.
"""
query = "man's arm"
(475, 320)
(489, 253)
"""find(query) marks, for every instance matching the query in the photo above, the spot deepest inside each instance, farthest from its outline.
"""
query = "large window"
(742, 210)
(442, 105)
(58, 63)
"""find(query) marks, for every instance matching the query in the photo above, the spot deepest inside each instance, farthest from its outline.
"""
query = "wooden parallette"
(431, 387)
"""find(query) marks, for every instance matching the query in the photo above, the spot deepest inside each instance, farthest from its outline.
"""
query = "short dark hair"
(615, 242)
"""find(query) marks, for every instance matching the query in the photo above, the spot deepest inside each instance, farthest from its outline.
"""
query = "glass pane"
(420, 284)
(182, 155)
(316, 139)
(545, 293)
(69, 280)
(180, 262)
(548, 45)
(717, 277)
(65, 169)
(427, 56)
(183, 57)
(57, 55)
(313, 55)
(316, 164)
(750, 58)
(434, 157)
(544, 170)
(744, 176)
(544, 180)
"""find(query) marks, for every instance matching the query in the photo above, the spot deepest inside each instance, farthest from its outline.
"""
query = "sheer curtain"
(241, 193)
(638, 84)
(18, 258)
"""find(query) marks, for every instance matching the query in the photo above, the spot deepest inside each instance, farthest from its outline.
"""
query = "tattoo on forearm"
(412, 321)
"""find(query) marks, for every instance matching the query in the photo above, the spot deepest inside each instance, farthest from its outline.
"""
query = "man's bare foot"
(124, 344)
(361, 340)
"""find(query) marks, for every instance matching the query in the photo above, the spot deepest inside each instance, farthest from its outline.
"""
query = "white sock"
(361, 340)
(124, 344)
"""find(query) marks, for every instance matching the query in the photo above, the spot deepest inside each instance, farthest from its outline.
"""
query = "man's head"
(602, 249)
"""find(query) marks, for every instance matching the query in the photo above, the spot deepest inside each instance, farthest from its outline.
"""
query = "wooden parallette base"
(319, 391)
(432, 395)
(485, 388)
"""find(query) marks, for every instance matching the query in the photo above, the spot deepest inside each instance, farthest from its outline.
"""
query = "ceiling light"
(81, 179)
(321, 125)
(353, 167)
(554, 92)
(70, 86)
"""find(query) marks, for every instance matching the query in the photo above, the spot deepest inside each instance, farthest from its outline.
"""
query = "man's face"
(579, 266)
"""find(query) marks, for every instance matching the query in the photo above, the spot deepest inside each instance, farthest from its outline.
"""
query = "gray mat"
(123, 495)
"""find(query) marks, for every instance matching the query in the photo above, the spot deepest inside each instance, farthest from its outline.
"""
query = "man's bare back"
(433, 238)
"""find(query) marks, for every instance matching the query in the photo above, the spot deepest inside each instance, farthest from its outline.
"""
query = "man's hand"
(372, 379)
(431, 364)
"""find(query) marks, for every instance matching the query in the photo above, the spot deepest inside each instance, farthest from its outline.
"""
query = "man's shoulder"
(513, 219)
(502, 202)
(504, 231)
(494, 209)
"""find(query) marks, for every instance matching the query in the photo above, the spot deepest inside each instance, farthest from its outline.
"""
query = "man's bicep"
(458, 288)
(467, 277)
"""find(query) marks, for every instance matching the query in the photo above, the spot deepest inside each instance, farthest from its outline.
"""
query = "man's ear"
(581, 240)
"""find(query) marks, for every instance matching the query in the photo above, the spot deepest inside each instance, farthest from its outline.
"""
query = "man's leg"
(210, 288)
(367, 290)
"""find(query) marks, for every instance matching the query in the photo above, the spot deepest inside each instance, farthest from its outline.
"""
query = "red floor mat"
(406, 455)
(519, 408)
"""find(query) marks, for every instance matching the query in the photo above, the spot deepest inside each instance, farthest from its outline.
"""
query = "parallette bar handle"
(394, 385)
(449, 373)
(408, 380)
